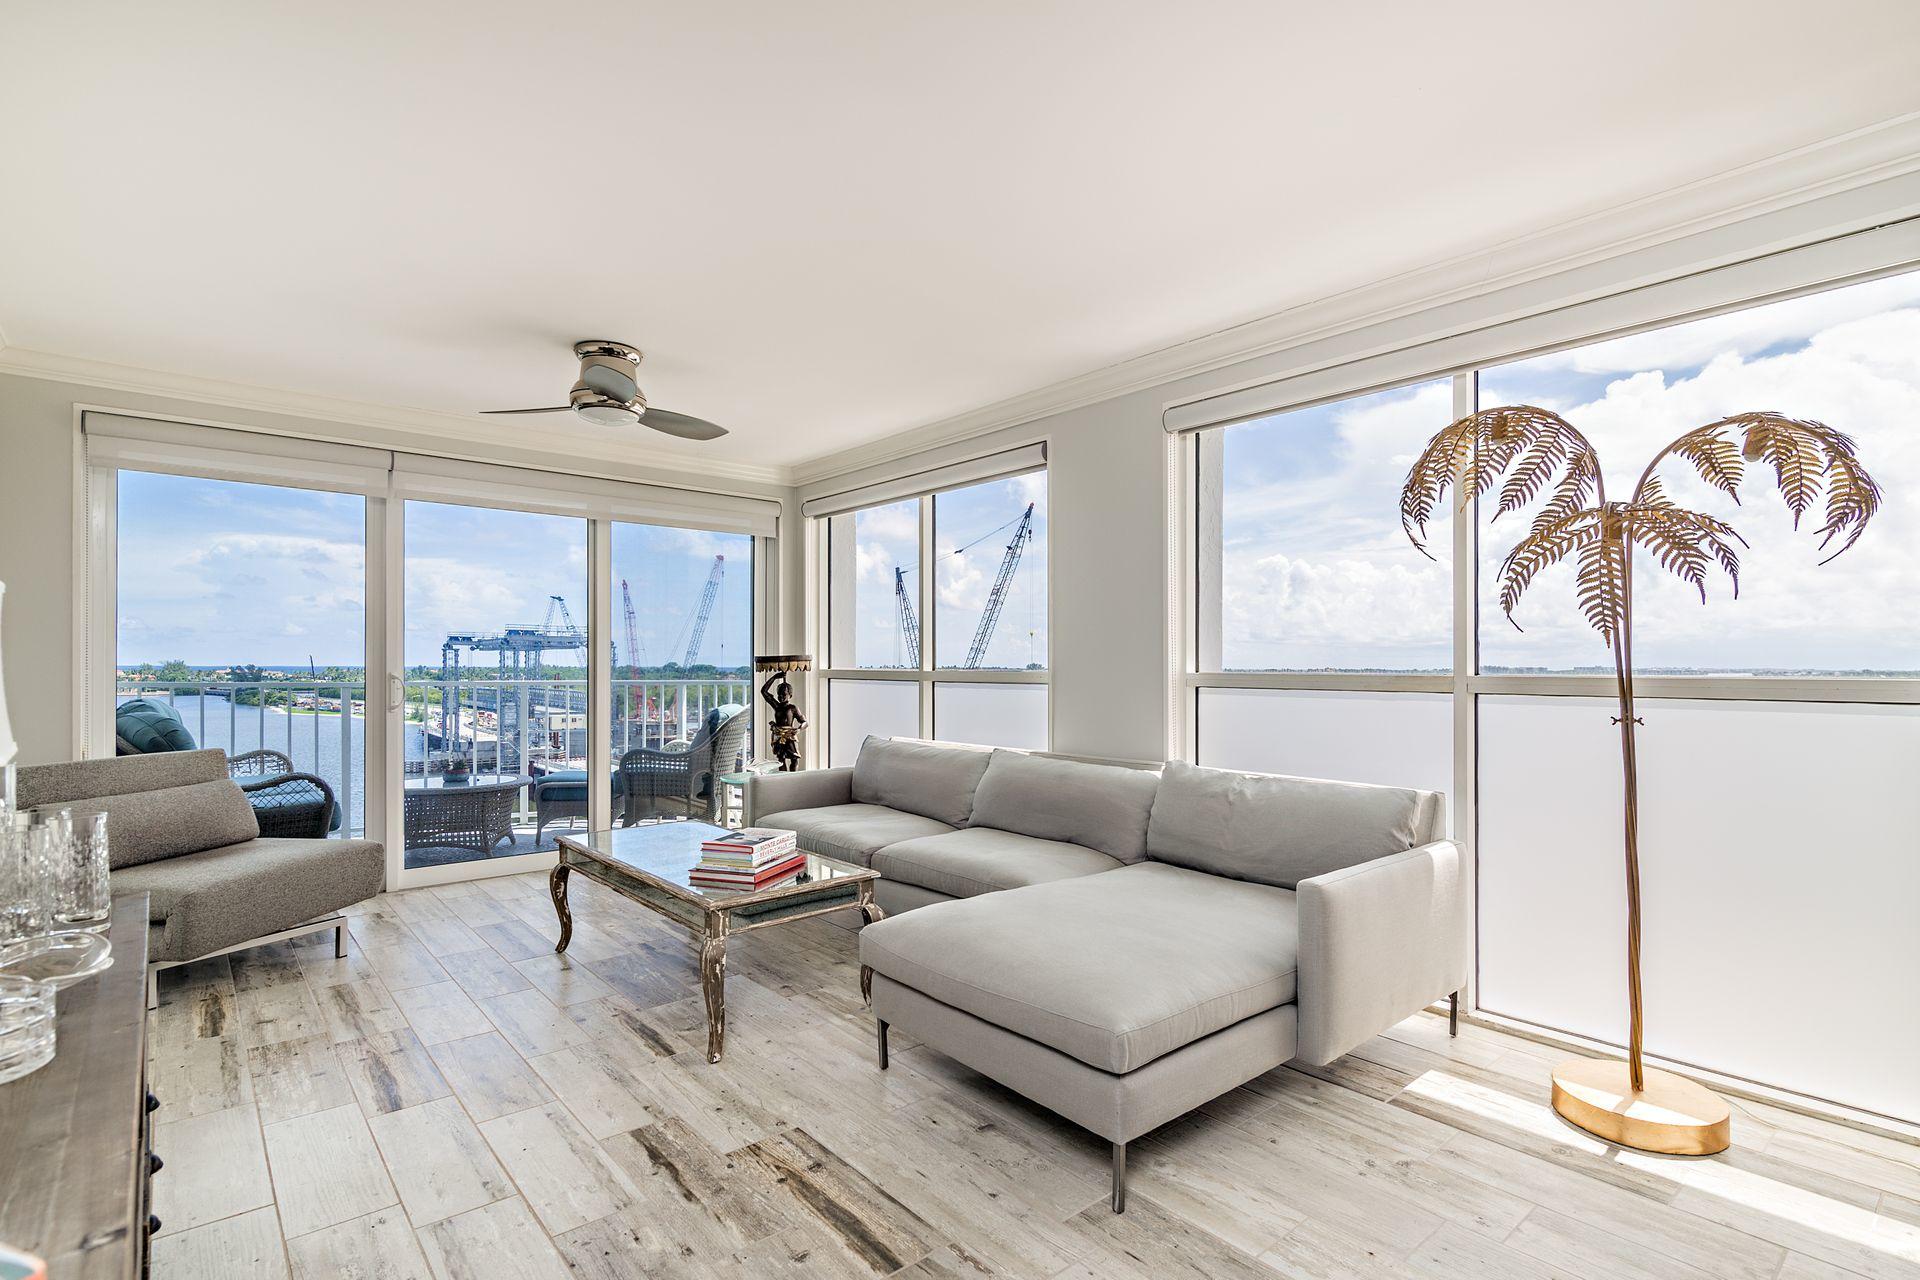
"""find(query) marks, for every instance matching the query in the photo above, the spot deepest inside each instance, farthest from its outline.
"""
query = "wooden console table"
(76, 1133)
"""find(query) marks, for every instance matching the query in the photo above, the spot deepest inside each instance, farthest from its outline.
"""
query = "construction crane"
(558, 613)
(990, 618)
(909, 621)
(700, 617)
(633, 630)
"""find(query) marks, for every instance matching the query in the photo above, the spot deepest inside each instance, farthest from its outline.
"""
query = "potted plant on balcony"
(1537, 451)
(458, 772)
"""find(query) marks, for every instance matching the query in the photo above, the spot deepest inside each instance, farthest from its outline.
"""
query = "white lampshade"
(8, 747)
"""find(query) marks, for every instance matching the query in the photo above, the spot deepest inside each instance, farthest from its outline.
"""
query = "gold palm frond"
(1806, 458)
(1474, 452)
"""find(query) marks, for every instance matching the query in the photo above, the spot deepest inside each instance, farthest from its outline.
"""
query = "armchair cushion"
(570, 785)
(148, 826)
(933, 779)
(43, 784)
(1279, 830)
(210, 900)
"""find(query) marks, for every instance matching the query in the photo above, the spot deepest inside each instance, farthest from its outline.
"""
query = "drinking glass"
(84, 900)
(25, 876)
(26, 1026)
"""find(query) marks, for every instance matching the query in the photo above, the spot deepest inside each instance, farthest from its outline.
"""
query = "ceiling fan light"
(605, 414)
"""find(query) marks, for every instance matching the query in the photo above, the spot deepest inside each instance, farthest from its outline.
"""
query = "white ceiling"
(831, 221)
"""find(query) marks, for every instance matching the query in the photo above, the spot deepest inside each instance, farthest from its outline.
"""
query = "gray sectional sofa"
(1122, 945)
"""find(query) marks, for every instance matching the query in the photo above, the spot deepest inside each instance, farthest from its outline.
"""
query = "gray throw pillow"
(1277, 830)
(934, 780)
(147, 826)
(1100, 806)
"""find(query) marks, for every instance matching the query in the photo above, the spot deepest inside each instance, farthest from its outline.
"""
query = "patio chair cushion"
(1278, 830)
(146, 724)
(1115, 969)
(570, 785)
(975, 860)
(934, 780)
(851, 832)
(217, 898)
(1101, 806)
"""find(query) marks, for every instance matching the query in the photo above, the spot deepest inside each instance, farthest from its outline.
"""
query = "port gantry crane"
(707, 596)
(996, 598)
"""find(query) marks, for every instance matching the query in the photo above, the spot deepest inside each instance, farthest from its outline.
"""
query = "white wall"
(38, 561)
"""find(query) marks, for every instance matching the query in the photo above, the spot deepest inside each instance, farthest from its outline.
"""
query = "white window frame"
(1194, 482)
(210, 450)
(927, 675)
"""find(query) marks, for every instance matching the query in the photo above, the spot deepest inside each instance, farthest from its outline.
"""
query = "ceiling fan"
(608, 393)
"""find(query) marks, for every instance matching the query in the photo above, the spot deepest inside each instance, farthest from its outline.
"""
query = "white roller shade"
(253, 457)
(479, 484)
(994, 466)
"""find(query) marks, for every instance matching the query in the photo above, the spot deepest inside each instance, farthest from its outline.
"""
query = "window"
(1776, 724)
(682, 652)
(936, 617)
(243, 606)
(1846, 358)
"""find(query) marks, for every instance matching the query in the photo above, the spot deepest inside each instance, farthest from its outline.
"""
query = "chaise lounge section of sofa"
(1122, 945)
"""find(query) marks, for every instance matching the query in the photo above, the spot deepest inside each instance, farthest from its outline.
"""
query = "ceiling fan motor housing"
(608, 391)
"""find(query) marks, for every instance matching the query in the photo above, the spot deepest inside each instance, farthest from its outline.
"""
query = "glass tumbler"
(84, 899)
(26, 1026)
(25, 881)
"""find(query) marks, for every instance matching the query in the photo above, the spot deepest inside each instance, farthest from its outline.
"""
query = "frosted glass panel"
(1779, 881)
(992, 715)
(1395, 739)
(887, 708)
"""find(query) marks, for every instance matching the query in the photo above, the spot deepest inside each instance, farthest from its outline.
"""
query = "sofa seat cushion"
(977, 860)
(218, 898)
(851, 832)
(1114, 969)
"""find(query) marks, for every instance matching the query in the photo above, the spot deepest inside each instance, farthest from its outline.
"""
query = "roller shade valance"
(433, 479)
(219, 453)
(993, 466)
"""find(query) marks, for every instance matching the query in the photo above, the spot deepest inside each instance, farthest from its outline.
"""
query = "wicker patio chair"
(684, 781)
(296, 805)
(261, 762)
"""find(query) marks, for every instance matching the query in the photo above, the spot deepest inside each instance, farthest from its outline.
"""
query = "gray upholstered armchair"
(684, 781)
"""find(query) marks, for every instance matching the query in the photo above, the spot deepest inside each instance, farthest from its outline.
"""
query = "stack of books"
(747, 858)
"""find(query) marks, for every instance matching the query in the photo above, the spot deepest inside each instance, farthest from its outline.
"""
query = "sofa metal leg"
(883, 1045)
(1119, 1177)
(340, 942)
(1453, 1014)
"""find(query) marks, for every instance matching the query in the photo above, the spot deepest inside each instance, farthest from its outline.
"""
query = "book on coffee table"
(748, 848)
(717, 877)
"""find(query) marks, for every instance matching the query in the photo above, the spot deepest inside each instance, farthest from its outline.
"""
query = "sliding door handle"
(396, 692)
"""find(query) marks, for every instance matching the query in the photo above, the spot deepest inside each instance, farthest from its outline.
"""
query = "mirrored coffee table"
(650, 865)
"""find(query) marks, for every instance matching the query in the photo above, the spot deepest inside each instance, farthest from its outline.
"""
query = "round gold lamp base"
(1672, 1115)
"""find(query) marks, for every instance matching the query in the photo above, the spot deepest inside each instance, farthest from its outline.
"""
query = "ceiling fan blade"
(679, 424)
(558, 408)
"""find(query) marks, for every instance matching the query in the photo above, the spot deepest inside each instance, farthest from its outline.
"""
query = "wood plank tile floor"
(451, 1100)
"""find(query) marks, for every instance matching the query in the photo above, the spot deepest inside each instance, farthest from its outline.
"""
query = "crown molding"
(463, 435)
(1887, 150)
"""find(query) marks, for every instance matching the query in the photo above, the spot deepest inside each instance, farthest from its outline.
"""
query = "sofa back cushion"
(1278, 830)
(57, 784)
(148, 826)
(933, 779)
(1100, 806)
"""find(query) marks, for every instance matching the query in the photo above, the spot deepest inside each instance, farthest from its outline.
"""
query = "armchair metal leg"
(1119, 1177)
(340, 942)
(883, 1045)
(1453, 1014)
(153, 987)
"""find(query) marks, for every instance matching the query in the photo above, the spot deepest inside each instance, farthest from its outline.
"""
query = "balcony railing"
(516, 726)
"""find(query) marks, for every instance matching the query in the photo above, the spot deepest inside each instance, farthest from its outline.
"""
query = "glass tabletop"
(668, 852)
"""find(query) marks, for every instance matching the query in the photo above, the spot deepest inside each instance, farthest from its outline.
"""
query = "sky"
(972, 527)
(1316, 572)
(217, 573)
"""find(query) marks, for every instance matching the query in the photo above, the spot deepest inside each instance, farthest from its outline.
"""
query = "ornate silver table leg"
(713, 984)
(871, 913)
(557, 886)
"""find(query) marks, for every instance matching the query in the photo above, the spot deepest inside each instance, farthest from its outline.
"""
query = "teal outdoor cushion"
(147, 724)
(571, 784)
